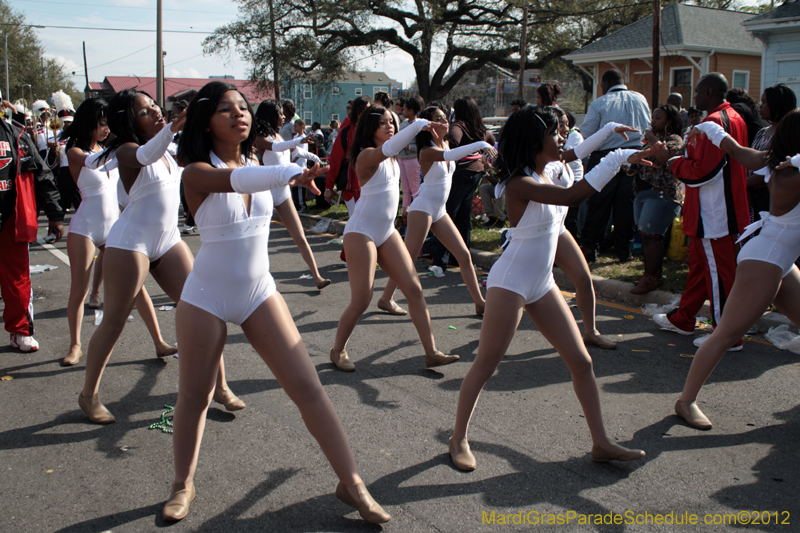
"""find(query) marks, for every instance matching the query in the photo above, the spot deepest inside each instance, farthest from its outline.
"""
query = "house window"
(307, 91)
(682, 77)
(376, 90)
(336, 90)
(335, 116)
(358, 91)
(741, 79)
(308, 117)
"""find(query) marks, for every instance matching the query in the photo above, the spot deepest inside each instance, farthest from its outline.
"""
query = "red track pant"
(15, 282)
(712, 269)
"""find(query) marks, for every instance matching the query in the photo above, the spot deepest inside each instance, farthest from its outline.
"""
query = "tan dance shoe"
(228, 399)
(368, 508)
(74, 355)
(439, 359)
(692, 415)
(342, 362)
(595, 339)
(461, 455)
(600, 455)
(322, 283)
(391, 307)
(165, 351)
(177, 507)
(480, 308)
(95, 410)
(94, 302)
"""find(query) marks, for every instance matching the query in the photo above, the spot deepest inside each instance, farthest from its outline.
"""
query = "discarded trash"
(783, 339)
(337, 240)
(130, 318)
(437, 271)
(38, 269)
(6, 378)
(306, 276)
(166, 308)
(321, 226)
(98, 317)
(48, 471)
(175, 356)
(655, 309)
(41, 298)
(687, 356)
(483, 284)
(702, 319)
(628, 317)
(164, 424)
(641, 351)
(50, 239)
(671, 344)
(451, 327)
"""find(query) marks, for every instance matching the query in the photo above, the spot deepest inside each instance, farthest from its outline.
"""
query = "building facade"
(779, 31)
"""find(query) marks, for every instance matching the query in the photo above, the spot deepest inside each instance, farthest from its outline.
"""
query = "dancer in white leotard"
(523, 279)
(231, 283)
(370, 237)
(766, 273)
(273, 150)
(93, 220)
(144, 238)
(427, 211)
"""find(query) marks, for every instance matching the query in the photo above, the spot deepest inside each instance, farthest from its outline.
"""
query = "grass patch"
(608, 266)
(486, 239)
(335, 212)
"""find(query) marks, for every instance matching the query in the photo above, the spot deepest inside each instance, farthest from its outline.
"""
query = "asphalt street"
(260, 470)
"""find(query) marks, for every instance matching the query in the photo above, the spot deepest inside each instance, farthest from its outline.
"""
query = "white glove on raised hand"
(592, 143)
(253, 179)
(713, 131)
(400, 140)
(461, 152)
(604, 172)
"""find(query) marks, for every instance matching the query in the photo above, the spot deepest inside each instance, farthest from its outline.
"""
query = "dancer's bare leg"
(571, 260)
(448, 235)
(788, 298)
(395, 262)
(419, 223)
(81, 254)
(755, 288)
(361, 259)
(291, 220)
(97, 278)
(130, 270)
(144, 305)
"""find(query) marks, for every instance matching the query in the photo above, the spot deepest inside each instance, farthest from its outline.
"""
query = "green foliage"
(27, 64)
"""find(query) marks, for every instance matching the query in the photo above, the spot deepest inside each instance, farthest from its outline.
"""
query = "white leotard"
(526, 265)
(270, 158)
(560, 174)
(149, 223)
(376, 209)
(99, 209)
(231, 278)
(435, 189)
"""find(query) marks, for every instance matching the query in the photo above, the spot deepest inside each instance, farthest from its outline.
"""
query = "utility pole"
(523, 50)
(85, 71)
(656, 52)
(159, 56)
(276, 86)
(7, 94)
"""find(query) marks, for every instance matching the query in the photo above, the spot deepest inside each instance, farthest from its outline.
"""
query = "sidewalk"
(605, 289)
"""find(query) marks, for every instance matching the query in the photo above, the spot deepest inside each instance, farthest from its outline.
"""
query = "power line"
(101, 6)
(175, 63)
(40, 26)
(121, 58)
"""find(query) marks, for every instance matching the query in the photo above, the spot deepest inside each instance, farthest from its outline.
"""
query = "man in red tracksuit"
(24, 178)
(714, 212)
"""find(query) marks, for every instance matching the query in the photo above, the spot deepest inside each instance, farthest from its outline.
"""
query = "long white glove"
(400, 140)
(713, 131)
(286, 145)
(461, 152)
(302, 153)
(154, 149)
(600, 175)
(592, 143)
(795, 160)
(252, 179)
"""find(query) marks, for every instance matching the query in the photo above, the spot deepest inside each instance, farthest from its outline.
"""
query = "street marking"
(53, 250)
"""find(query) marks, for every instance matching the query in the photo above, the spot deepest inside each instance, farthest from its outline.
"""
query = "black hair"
(424, 138)
(780, 100)
(517, 102)
(180, 104)
(400, 101)
(266, 118)
(612, 77)
(415, 104)
(368, 124)
(523, 140)
(383, 98)
(122, 120)
(675, 122)
(358, 107)
(316, 126)
(786, 139)
(466, 111)
(196, 142)
(87, 118)
(557, 111)
(571, 118)
(693, 111)
(549, 93)
(288, 105)
(441, 105)
(716, 82)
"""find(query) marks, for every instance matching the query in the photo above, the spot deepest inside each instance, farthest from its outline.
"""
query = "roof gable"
(788, 10)
(681, 25)
(176, 86)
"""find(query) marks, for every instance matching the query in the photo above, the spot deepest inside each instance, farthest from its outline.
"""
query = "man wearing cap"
(23, 177)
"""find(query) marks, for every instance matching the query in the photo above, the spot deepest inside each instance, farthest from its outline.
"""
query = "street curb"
(605, 289)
